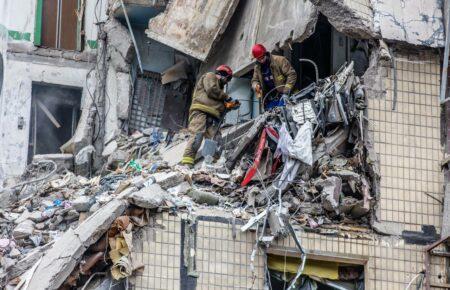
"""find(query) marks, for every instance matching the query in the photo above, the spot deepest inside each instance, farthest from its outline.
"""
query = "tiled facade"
(407, 141)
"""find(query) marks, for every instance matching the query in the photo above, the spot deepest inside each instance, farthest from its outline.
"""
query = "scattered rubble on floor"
(307, 164)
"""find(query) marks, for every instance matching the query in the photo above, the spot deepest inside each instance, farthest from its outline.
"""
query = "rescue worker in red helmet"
(274, 74)
(209, 103)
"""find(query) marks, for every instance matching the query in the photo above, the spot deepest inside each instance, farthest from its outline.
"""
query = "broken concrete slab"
(63, 161)
(204, 197)
(37, 216)
(273, 23)
(182, 25)
(57, 264)
(7, 197)
(109, 148)
(331, 189)
(356, 23)
(173, 154)
(180, 189)
(23, 230)
(82, 203)
(150, 197)
(98, 223)
(24, 216)
(168, 179)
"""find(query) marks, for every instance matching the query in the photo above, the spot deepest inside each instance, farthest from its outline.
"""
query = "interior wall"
(155, 56)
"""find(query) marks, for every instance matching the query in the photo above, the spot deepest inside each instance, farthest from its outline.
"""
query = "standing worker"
(209, 104)
(274, 74)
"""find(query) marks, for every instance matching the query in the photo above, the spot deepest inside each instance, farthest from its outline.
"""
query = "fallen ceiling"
(257, 22)
(192, 26)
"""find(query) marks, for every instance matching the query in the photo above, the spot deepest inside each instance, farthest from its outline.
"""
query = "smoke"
(54, 117)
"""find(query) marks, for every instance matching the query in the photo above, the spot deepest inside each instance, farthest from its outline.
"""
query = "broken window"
(316, 275)
(158, 105)
(57, 24)
(54, 116)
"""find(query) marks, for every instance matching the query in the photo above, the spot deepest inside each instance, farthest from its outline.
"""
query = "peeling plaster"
(418, 22)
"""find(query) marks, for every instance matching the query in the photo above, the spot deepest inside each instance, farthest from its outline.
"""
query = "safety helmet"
(225, 69)
(258, 50)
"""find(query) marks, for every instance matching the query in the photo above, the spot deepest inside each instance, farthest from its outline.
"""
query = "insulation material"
(417, 22)
(192, 26)
(327, 270)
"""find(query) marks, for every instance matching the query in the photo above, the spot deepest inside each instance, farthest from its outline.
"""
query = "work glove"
(284, 97)
(231, 104)
(258, 90)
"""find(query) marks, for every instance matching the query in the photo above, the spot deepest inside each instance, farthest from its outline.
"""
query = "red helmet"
(258, 50)
(226, 69)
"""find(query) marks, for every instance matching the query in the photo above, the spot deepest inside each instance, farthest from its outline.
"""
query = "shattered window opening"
(54, 117)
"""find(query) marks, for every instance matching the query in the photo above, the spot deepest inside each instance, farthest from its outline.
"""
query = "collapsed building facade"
(122, 67)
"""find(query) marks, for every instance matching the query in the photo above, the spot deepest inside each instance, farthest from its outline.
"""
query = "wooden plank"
(69, 24)
(49, 22)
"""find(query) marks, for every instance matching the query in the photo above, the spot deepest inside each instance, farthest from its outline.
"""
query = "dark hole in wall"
(63, 104)
(329, 50)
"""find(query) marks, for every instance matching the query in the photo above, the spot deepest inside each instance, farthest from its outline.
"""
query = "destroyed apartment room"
(233, 144)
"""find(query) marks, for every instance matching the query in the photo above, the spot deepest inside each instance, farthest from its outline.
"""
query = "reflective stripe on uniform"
(187, 160)
(205, 109)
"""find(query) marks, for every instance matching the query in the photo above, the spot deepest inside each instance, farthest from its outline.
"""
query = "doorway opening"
(55, 111)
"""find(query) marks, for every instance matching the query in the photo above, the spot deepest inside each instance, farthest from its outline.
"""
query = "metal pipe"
(316, 68)
(446, 54)
(138, 55)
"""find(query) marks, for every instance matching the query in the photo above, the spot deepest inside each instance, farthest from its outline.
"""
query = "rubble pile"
(308, 162)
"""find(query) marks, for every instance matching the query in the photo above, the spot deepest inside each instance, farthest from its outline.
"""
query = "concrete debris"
(23, 230)
(120, 45)
(331, 191)
(332, 186)
(151, 197)
(82, 203)
(203, 197)
(168, 180)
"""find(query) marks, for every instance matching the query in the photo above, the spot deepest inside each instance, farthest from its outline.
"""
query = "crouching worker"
(209, 104)
(273, 76)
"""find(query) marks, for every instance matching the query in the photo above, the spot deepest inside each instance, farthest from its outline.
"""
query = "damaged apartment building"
(343, 189)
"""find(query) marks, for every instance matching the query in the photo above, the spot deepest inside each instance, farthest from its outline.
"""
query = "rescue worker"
(272, 74)
(209, 104)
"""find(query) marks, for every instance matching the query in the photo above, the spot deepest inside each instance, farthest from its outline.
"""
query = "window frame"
(38, 25)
